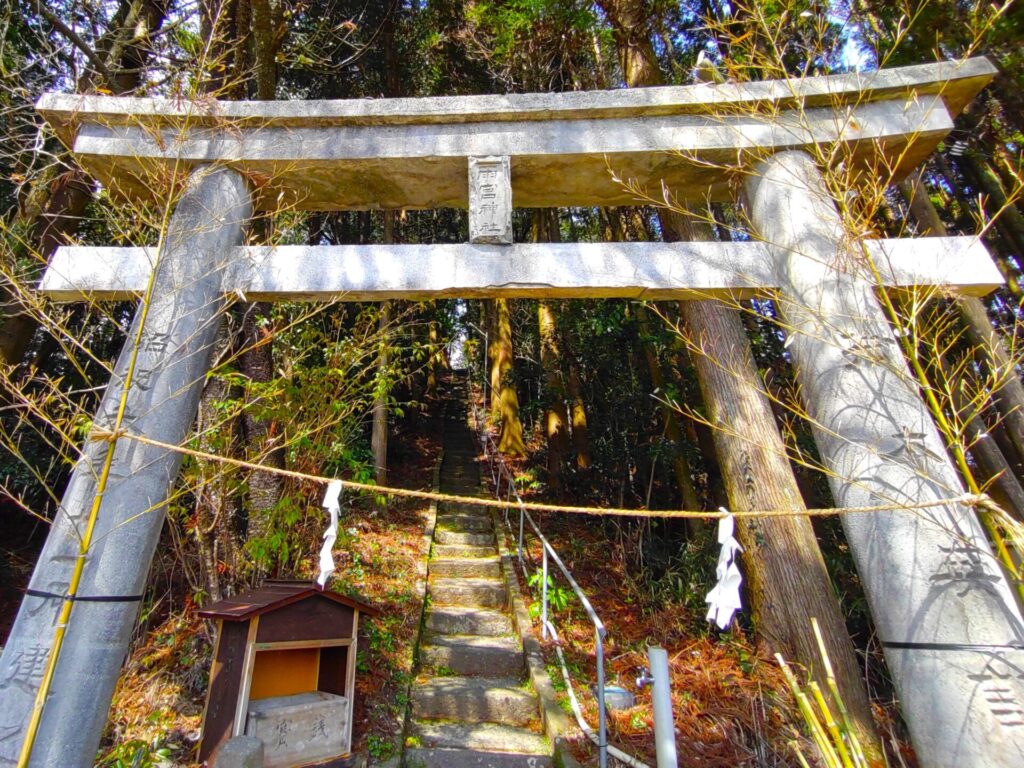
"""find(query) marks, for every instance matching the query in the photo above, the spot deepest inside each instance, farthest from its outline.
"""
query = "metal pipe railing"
(499, 469)
(661, 698)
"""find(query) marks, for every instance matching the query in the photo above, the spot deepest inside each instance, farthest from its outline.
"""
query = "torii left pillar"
(165, 372)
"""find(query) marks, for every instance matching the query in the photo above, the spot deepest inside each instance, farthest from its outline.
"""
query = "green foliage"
(380, 747)
(380, 634)
(558, 597)
(510, 22)
(135, 754)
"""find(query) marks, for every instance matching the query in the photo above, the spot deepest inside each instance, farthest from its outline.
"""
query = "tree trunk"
(216, 505)
(671, 431)
(995, 473)
(580, 432)
(379, 436)
(502, 382)
(225, 27)
(256, 363)
(264, 51)
(632, 28)
(556, 415)
(257, 359)
(789, 583)
(434, 361)
(494, 371)
(786, 574)
(1008, 220)
(988, 182)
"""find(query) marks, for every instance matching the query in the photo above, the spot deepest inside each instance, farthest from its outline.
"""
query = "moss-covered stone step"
(502, 700)
(488, 737)
(443, 551)
(459, 620)
(473, 655)
(460, 537)
(466, 567)
(482, 593)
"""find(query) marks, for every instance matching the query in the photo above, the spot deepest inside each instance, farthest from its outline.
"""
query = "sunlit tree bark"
(503, 383)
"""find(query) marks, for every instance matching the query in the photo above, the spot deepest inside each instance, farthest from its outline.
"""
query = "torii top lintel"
(565, 148)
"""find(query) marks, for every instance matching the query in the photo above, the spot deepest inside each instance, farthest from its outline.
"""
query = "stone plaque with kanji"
(490, 200)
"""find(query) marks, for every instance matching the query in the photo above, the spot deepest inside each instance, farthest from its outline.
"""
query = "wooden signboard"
(284, 671)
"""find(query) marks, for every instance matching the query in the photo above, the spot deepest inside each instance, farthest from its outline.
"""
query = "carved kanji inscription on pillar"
(490, 200)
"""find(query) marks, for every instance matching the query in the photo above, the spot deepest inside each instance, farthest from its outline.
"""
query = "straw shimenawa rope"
(980, 500)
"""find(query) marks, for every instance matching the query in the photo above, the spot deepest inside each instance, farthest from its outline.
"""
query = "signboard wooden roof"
(273, 595)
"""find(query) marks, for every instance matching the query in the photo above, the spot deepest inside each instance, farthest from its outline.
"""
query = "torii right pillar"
(944, 610)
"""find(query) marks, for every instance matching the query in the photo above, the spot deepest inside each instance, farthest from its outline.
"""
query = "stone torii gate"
(948, 620)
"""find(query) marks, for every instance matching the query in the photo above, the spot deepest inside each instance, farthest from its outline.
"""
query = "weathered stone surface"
(465, 487)
(466, 567)
(302, 729)
(240, 752)
(554, 162)
(175, 345)
(475, 700)
(483, 593)
(465, 523)
(490, 200)
(471, 662)
(484, 736)
(459, 620)
(472, 655)
(566, 270)
(957, 82)
(407, 153)
(463, 550)
(944, 612)
(472, 539)
(467, 758)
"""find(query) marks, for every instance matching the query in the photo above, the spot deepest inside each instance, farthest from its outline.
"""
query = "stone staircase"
(471, 702)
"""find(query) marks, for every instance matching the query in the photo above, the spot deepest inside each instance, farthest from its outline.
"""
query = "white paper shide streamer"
(724, 600)
(332, 503)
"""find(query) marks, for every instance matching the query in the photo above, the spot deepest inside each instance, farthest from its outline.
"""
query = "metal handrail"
(499, 470)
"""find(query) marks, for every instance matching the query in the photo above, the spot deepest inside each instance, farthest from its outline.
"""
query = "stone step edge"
(535, 743)
(499, 700)
(422, 582)
(553, 718)
(489, 582)
(437, 757)
(510, 643)
(470, 655)
(473, 551)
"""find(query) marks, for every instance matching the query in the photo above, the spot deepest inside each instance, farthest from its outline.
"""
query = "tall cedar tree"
(789, 583)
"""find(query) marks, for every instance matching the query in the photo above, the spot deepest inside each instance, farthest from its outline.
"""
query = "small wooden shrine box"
(284, 670)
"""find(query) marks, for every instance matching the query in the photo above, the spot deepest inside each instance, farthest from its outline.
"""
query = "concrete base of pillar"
(240, 752)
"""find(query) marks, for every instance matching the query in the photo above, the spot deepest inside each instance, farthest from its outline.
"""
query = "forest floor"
(731, 703)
